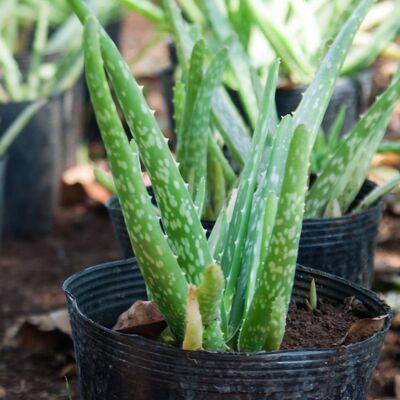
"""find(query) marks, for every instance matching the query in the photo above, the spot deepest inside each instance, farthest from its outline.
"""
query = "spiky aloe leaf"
(293, 59)
(173, 199)
(231, 127)
(194, 79)
(179, 105)
(270, 182)
(216, 153)
(350, 162)
(238, 226)
(363, 56)
(193, 340)
(194, 136)
(200, 196)
(11, 73)
(225, 115)
(105, 179)
(209, 295)
(378, 193)
(217, 188)
(312, 107)
(39, 44)
(238, 60)
(219, 233)
(264, 323)
(157, 262)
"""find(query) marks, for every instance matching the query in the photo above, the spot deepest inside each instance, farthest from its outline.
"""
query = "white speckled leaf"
(349, 165)
(262, 326)
(231, 261)
(157, 262)
(311, 110)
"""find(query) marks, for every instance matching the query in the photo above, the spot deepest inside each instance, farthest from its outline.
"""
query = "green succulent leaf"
(312, 108)
(232, 257)
(158, 263)
(209, 294)
(193, 340)
(264, 322)
(344, 174)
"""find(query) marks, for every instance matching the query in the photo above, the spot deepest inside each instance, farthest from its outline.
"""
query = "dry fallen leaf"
(143, 318)
(362, 329)
(41, 334)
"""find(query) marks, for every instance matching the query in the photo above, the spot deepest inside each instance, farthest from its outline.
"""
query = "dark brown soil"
(32, 272)
(321, 328)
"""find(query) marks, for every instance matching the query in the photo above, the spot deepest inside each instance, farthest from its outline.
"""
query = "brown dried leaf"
(362, 329)
(143, 318)
(41, 334)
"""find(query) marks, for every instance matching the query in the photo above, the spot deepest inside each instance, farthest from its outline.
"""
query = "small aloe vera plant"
(231, 292)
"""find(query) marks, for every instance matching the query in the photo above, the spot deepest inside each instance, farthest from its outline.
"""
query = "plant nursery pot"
(33, 169)
(343, 246)
(117, 366)
(353, 92)
(3, 163)
(118, 223)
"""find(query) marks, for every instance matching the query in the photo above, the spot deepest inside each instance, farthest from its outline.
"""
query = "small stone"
(3, 393)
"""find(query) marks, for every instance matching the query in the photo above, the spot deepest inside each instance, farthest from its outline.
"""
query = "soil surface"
(321, 328)
(32, 274)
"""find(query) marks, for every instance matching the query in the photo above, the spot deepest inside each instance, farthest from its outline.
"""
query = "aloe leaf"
(363, 56)
(157, 262)
(11, 73)
(238, 59)
(264, 323)
(174, 201)
(145, 8)
(200, 196)
(193, 162)
(17, 126)
(378, 193)
(217, 187)
(238, 226)
(389, 147)
(271, 182)
(193, 340)
(336, 129)
(215, 152)
(231, 127)
(179, 105)
(349, 164)
(39, 45)
(312, 107)
(209, 295)
(225, 115)
(106, 180)
(293, 60)
(194, 79)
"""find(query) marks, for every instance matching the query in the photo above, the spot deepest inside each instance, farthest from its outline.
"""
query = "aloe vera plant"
(344, 173)
(296, 31)
(233, 291)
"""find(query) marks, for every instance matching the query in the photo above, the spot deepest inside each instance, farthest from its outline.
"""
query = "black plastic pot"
(116, 366)
(352, 92)
(33, 170)
(3, 163)
(119, 227)
(343, 246)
